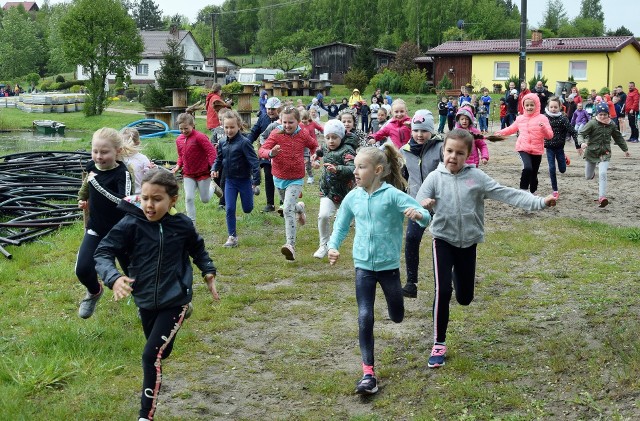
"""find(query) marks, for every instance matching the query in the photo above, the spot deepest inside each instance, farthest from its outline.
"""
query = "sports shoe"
(281, 211)
(302, 216)
(88, 304)
(256, 190)
(321, 252)
(632, 140)
(438, 353)
(269, 208)
(288, 251)
(231, 242)
(603, 201)
(367, 385)
(189, 311)
(567, 159)
(555, 195)
(216, 189)
(410, 290)
(310, 180)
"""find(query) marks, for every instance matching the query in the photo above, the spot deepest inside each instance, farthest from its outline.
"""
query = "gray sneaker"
(88, 304)
(231, 242)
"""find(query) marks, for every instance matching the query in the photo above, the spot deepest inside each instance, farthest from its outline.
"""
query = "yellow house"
(593, 62)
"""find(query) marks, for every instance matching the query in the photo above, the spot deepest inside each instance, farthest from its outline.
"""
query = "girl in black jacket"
(158, 241)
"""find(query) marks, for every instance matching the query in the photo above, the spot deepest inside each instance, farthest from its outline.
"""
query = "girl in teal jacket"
(378, 208)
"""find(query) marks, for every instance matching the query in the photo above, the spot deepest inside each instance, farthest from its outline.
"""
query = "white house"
(155, 44)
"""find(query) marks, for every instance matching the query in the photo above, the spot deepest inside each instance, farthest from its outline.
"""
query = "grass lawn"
(552, 333)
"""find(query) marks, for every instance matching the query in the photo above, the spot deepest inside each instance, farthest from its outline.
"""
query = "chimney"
(536, 38)
(173, 30)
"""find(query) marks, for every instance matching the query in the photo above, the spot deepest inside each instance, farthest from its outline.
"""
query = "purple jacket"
(580, 117)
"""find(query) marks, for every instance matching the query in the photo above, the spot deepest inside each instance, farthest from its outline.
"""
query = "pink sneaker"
(288, 251)
(438, 354)
(603, 201)
(555, 195)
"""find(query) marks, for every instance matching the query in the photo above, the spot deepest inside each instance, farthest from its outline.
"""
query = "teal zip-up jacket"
(379, 226)
(459, 208)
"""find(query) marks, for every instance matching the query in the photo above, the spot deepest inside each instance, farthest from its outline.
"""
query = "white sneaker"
(288, 251)
(231, 242)
(310, 180)
(321, 252)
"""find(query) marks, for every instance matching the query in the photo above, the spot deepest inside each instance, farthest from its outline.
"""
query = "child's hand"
(331, 168)
(210, 279)
(550, 200)
(627, 154)
(428, 203)
(413, 214)
(275, 151)
(333, 256)
(122, 287)
(579, 150)
(214, 174)
(91, 176)
(175, 169)
(83, 204)
(484, 161)
(372, 140)
(315, 164)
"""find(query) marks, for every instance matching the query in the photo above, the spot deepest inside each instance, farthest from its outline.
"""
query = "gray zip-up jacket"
(419, 166)
(459, 207)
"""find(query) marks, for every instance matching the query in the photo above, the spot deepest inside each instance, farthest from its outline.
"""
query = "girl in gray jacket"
(456, 192)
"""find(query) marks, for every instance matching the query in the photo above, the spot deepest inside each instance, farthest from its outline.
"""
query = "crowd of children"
(373, 176)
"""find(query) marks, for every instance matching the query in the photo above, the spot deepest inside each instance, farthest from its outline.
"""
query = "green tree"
(172, 75)
(56, 60)
(365, 60)
(238, 30)
(103, 38)
(147, 15)
(621, 31)
(20, 48)
(587, 27)
(591, 9)
(404, 61)
(554, 16)
(287, 59)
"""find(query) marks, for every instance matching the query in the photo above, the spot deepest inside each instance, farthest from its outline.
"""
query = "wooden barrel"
(179, 97)
(244, 102)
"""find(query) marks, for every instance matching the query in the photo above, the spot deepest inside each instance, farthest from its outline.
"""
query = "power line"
(255, 9)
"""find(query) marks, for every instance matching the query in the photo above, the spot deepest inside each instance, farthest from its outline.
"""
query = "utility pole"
(523, 42)
(213, 47)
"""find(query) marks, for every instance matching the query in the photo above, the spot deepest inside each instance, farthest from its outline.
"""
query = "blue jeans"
(482, 122)
(366, 296)
(554, 155)
(233, 187)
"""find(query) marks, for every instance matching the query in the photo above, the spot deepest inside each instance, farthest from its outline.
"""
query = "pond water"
(27, 141)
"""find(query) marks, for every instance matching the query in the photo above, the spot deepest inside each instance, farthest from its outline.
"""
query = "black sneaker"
(367, 385)
(410, 290)
(269, 208)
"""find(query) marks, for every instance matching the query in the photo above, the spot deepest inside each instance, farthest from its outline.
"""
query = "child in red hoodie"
(534, 128)
(398, 129)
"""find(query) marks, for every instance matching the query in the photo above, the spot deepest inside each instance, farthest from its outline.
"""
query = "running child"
(108, 181)
(421, 155)
(533, 129)
(159, 242)
(238, 161)
(196, 156)
(398, 129)
(308, 123)
(336, 180)
(356, 138)
(562, 128)
(456, 191)
(378, 206)
(479, 153)
(580, 118)
(595, 144)
(136, 162)
(285, 146)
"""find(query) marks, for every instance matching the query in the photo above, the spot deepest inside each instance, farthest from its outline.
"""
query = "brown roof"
(548, 45)
(28, 5)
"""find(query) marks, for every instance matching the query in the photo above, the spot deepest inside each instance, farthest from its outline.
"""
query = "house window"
(538, 69)
(578, 70)
(384, 62)
(501, 70)
(142, 69)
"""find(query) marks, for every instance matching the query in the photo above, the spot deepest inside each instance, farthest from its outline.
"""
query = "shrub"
(415, 81)
(60, 79)
(356, 79)
(155, 98)
(232, 88)
(603, 91)
(532, 82)
(131, 94)
(584, 93)
(388, 81)
(45, 85)
(154, 151)
(445, 83)
(515, 79)
(419, 100)
(75, 89)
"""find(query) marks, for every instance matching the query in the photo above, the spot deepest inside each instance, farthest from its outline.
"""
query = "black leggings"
(453, 267)
(269, 188)
(412, 250)
(160, 328)
(530, 167)
(86, 264)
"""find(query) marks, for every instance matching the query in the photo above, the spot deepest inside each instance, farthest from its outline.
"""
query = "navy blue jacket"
(260, 126)
(238, 159)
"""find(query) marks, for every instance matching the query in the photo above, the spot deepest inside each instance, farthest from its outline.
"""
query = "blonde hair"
(130, 141)
(291, 110)
(304, 115)
(111, 135)
(233, 115)
(391, 160)
(186, 118)
(399, 102)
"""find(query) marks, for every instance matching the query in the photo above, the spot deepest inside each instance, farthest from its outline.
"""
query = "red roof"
(548, 45)
(29, 6)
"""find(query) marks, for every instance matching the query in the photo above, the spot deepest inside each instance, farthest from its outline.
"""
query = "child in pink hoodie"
(398, 129)
(534, 128)
(479, 152)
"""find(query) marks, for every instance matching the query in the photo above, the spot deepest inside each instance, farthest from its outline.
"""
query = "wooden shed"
(332, 61)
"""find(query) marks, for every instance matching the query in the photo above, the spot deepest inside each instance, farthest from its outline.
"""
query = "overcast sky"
(616, 12)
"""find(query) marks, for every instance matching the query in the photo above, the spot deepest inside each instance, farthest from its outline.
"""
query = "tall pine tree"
(147, 15)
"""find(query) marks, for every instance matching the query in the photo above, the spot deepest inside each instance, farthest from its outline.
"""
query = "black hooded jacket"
(159, 253)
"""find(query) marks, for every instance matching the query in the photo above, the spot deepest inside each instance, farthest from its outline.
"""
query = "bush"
(419, 100)
(197, 93)
(603, 91)
(532, 82)
(515, 79)
(75, 89)
(584, 93)
(388, 81)
(131, 94)
(155, 98)
(60, 79)
(415, 81)
(356, 79)
(154, 152)
(232, 88)
(445, 83)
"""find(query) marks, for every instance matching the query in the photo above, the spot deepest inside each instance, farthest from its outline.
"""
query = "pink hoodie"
(534, 128)
(397, 130)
